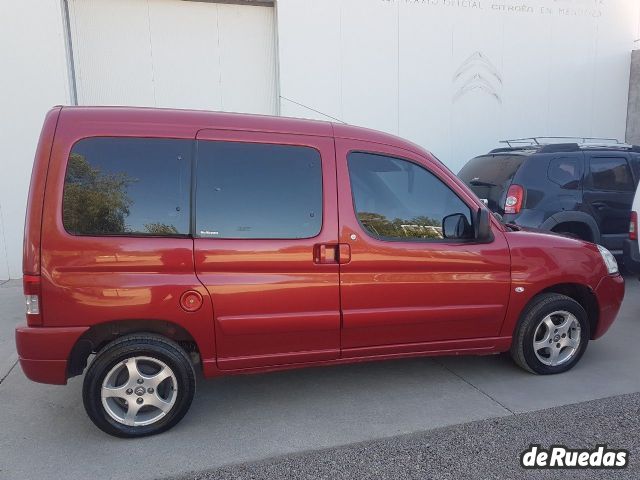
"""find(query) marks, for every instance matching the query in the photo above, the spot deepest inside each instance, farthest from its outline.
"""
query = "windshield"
(489, 176)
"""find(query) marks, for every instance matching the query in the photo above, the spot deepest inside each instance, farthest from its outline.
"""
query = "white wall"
(33, 78)
(458, 76)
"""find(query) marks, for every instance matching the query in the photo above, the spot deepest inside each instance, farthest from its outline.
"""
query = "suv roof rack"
(560, 144)
(539, 141)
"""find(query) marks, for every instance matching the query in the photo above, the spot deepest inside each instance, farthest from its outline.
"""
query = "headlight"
(609, 260)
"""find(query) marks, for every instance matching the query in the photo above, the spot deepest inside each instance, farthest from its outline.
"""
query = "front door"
(265, 227)
(405, 286)
(608, 194)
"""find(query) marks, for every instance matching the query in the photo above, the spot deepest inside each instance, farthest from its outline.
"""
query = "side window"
(565, 171)
(251, 190)
(398, 200)
(127, 186)
(611, 173)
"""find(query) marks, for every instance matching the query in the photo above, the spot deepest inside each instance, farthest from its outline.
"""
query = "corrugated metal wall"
(172, 53)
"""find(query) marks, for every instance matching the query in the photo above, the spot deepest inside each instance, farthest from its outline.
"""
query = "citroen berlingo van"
(159, 243)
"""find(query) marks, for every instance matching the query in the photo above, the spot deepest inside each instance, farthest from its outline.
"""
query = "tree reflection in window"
(94, 202)
(417, 227)
(128, 186)
(399, 199)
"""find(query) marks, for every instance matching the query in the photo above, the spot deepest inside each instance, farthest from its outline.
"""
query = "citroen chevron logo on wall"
(477, 73)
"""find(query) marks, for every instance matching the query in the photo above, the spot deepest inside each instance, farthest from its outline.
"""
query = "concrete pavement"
(45, 433)
(11, 314)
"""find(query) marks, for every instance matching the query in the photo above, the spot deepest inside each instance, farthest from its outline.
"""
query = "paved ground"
(45, 433)
(11, 314)
(488, 449)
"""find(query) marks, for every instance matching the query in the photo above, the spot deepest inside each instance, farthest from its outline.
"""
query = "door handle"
(331, 253)
(599, 205)
(325, 253)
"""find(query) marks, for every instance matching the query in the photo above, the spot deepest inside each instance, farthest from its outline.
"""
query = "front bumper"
(44, 352)
(609, 293)
(631, 255)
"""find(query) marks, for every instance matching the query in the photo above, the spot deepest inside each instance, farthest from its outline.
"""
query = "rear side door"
(265, 246)
(406, 288)
(608, 194)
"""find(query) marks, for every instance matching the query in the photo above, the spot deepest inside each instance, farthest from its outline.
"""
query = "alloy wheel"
(139, 391)
(557, 338)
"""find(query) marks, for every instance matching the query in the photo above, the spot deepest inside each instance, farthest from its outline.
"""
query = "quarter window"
(250, 190)
(127, 186)
(398, 200)
(611, 173)
(565, 172)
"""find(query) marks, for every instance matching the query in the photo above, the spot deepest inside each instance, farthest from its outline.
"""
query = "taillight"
(633, 226)
(515, 196)
(31, 287)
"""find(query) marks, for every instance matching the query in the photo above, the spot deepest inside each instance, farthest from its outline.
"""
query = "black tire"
(151, 346)
(522, 349)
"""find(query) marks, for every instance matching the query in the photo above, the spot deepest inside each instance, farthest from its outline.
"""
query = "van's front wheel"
(552, 335)
(139, 385)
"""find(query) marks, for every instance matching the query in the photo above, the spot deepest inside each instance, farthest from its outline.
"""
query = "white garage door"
(174, 53)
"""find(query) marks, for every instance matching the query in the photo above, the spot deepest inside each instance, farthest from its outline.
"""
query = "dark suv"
(583, 189)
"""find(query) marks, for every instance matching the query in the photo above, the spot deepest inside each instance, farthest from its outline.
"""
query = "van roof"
(164, 120)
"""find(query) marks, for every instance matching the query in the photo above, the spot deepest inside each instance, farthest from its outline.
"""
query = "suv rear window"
(489, 176)
(251, 190)
(127, 186)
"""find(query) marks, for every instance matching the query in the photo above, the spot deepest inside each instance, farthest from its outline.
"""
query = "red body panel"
(540, 261)
(274, 304)
(43, 352)
(35, 200)
(91, 280)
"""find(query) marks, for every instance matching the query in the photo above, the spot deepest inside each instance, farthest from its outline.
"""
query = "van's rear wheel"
(139, 385)
(552, 335)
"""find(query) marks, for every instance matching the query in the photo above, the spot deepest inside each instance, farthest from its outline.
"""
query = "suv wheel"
(551, 336)
(139, 385)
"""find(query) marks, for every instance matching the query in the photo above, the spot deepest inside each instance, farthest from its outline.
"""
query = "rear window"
(251, 190)
(127, 186)
(489, 176)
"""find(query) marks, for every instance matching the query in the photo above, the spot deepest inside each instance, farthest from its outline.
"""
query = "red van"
(165, 242)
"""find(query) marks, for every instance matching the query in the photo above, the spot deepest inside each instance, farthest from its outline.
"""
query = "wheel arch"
(99, 335)
(573, 217)
(581, 294)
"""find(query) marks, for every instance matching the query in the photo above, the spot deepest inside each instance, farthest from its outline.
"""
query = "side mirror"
(456, 227)
(483, 226)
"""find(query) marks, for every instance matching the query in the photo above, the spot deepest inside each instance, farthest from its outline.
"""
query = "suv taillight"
(513, 203)
(633, 226)
(31, 287)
